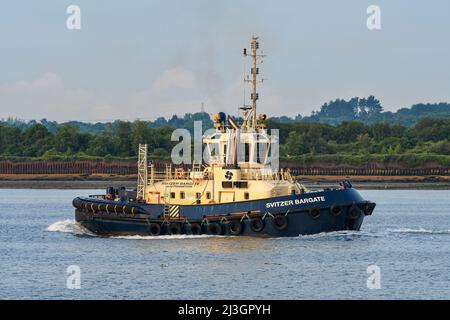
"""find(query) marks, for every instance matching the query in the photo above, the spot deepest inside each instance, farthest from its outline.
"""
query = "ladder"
(142, 171)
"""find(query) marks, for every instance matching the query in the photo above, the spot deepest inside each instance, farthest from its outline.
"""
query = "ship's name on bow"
(177, 184)
(294, 202)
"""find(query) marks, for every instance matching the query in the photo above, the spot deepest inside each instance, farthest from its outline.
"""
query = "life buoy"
(154, 229)
(280, 222)
(214, 228)
(354, 212)
(235, 227)
(257, 224)
(335, 210)
(315, 213)
(174, 228)
(195, 229)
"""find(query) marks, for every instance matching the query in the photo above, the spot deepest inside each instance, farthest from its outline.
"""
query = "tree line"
(369, 111)
(366, 110)
(429, 136)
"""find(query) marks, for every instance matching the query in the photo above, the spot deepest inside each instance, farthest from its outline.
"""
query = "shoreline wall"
(130, 168)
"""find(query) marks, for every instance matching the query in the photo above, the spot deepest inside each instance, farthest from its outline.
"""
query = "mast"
(250, 120)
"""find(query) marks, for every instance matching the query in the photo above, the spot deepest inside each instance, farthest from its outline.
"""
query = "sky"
(144, 59)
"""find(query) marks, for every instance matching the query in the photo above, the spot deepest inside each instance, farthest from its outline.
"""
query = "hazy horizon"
(167, 117)
(157, 58)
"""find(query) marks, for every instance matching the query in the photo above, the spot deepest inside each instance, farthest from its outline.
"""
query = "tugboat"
(237, 192)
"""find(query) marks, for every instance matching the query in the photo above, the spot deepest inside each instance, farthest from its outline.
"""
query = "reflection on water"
(238, 244)
(207, 243)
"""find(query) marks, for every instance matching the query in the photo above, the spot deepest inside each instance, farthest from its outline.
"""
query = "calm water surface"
(408, 238)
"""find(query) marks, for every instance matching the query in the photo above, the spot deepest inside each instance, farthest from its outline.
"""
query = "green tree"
(124, 143)
(141, 133)
(36, 140)
(10, 140)
(68, 139)
(294, 145)
(347, 132)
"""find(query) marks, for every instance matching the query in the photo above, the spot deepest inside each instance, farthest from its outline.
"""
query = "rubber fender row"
(233, 227)
(106, 208)
(354, 211)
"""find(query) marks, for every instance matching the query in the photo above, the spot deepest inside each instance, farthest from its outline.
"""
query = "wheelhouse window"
(227, 184)
(182, 195)
(258, 151)
(247, 152)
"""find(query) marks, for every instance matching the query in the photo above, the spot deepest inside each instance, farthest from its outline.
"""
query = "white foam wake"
(165, 237)
(69, 226)
(419, 231)
(339, 234)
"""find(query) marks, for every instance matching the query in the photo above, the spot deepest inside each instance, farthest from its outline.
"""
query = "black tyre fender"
(315, 213)
(214, 228)
(257, 224)
(368, 208)
(154, 229)
(174, 228)
(235, 227)
(354, 212)
(195, 229)
(335, 210)
(280, 222)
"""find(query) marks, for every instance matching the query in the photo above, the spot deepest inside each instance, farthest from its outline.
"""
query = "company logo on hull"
(286, 203)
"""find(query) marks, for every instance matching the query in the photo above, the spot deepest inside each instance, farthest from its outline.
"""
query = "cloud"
(176, 91)
(46, 97)
(178, 77)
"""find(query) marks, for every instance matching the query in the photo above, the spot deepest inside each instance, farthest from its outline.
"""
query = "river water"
(401, 252)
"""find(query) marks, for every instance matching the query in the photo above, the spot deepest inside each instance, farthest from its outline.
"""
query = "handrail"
(246, 174)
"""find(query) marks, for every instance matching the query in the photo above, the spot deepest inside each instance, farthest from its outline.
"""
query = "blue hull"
(315, 212)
